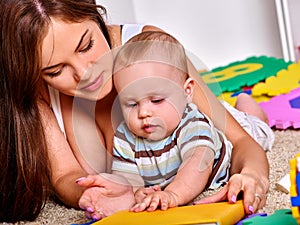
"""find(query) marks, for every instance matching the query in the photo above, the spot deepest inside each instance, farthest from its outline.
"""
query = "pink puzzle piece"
(284, 110)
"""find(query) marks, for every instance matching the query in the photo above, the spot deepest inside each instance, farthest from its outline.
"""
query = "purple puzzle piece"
(283, 110)
(250, 216)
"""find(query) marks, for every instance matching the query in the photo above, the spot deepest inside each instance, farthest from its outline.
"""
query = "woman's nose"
(82, 72)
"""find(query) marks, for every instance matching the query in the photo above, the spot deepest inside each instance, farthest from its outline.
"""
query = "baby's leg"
(253, 119)
(247, 104)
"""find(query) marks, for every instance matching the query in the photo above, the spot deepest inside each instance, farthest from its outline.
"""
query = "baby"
(166, 148)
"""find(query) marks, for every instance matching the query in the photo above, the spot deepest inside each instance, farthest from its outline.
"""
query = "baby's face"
(152, 98)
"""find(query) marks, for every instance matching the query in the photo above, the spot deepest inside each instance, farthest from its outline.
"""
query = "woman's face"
(76, 59)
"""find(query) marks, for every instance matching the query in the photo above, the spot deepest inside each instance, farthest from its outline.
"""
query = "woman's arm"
(64, 166)
(248, 158)
(98, 192)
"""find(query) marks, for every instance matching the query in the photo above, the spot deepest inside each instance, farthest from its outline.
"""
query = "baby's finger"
(156, 188)
(164, 203)
(138, 207)
(154, 203)
(139, 195)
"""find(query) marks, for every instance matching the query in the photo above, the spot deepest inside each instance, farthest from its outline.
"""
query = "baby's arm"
(189, 182)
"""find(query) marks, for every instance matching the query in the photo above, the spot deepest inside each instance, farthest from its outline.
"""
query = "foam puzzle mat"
(283, 110)
(233, 77)
(230, 97)
(295, 187)
(284, 81)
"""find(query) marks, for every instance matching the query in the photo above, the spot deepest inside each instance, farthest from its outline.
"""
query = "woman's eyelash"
(55, 74)
(90, 45)
(87, 48)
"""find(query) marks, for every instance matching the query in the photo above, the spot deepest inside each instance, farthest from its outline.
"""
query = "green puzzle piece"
(233, 77)
(279, 217)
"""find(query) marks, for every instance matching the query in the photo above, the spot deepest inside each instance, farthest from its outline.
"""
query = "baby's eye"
(131, 104)
(158, 100)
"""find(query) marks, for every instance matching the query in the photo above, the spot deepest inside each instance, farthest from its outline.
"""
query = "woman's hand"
(105, 195)
(254, 192)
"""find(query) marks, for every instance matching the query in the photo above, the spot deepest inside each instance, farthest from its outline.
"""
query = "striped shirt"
(157, 162)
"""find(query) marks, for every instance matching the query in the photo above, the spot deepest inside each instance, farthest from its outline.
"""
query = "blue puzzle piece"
(295, 103)
(239, 92)
(295, 200)
(88, 223)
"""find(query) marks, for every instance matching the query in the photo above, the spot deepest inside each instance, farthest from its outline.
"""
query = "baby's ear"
(189, 89)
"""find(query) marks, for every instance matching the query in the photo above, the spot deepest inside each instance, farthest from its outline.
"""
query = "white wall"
(217, 31)
(119, 11)
(290, 18)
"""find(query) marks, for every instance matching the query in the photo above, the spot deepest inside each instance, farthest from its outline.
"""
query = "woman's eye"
(88, 46)
(55, 74)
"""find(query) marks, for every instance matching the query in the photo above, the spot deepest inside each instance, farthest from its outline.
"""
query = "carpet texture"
(287, 144)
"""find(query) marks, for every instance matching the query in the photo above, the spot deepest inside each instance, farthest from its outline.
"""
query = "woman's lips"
(94, 85)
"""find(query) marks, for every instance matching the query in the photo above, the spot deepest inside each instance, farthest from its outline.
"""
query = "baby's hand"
(141, 193)
(164, 199)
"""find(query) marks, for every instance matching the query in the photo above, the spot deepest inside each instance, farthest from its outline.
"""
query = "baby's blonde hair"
(152, 46)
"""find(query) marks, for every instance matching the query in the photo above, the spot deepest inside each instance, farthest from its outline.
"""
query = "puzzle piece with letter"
(283, 111)
(279, 217)
(295, 186)
(233, 77)
(284, 81)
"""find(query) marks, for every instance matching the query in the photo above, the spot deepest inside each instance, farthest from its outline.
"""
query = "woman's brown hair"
(25, 169)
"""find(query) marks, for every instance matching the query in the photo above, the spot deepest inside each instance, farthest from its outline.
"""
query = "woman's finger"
(102, 180)
(235, 186)
(216, 197)
(254, 197)
(254, 194)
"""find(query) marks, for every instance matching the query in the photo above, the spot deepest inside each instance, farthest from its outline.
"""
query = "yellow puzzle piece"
(284, 81)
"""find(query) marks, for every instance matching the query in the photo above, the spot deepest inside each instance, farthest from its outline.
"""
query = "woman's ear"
(189, 89)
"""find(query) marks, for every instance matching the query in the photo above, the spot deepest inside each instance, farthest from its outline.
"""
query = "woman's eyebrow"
(81, 40)
(50, 67)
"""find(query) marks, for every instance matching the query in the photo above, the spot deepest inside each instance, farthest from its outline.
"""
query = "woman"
(53, 43)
